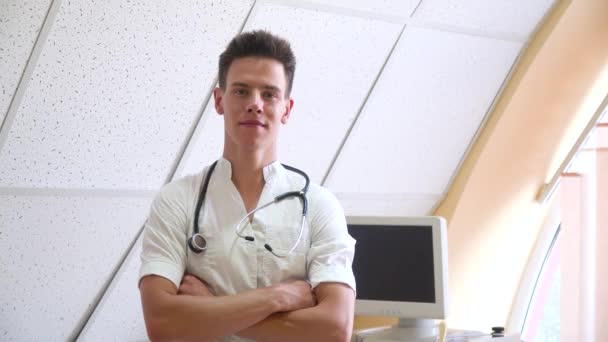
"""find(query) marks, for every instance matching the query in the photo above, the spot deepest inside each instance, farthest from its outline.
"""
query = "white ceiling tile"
(206, 144)
(20, 22)
(338, 58)
(387, 205)
(423, 114)
(119, 314)
(496, 16)
(115, 92)
(396, 8)
(57, 252)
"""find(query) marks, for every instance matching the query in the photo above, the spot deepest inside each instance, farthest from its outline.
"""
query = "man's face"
(253, 104)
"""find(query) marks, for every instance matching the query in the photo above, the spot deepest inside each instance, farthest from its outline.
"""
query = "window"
(574, 260)
(541, 322)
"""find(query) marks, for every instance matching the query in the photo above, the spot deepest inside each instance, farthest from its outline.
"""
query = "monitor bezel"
(413, 310)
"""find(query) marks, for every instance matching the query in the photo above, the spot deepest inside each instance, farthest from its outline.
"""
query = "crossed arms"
(289, 310)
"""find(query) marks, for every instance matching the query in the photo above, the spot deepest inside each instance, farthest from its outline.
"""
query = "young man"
(266, 276)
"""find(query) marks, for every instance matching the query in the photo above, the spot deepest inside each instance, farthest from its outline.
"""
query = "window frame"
(539, 255)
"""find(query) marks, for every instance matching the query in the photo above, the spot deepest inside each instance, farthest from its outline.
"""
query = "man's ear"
(218, 94)
(288, 107)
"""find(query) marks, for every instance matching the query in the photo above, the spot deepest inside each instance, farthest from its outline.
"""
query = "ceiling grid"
(358, 114)
(412, 19)
(113, 110)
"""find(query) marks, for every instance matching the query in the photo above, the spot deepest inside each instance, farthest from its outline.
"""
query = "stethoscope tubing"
(197, 242)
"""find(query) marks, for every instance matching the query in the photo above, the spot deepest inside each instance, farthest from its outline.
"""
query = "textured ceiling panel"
(56, 254)
(397, 8)
(423, 114)
(206, 143)
(383, 205)
(495, 16)
(119, 313)
(115, 92)
(338, 59)
(20, 22)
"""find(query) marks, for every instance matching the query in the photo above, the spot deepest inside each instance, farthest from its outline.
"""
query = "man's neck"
(248, 173)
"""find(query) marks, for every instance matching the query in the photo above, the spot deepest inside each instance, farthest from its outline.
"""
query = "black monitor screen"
(394, 263)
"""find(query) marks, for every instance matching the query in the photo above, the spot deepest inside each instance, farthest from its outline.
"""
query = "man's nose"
(255, 104)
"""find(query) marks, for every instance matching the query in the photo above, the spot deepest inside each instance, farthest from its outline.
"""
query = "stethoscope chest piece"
(197, 243)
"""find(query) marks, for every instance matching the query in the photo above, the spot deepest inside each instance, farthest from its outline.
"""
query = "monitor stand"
(409, 330)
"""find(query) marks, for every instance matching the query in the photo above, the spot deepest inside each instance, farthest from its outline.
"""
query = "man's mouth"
(252, 123)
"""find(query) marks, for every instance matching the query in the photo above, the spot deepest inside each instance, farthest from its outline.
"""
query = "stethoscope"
(198, 243)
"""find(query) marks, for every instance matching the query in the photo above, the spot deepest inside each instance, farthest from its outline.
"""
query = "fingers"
(297, 295)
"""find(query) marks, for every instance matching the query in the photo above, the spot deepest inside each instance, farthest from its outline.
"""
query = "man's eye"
(270, 96)
(240, 92)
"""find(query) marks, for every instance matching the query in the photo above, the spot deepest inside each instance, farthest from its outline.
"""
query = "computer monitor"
(400, 266)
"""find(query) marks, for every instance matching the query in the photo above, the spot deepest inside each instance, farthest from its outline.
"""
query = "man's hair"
(258, 44)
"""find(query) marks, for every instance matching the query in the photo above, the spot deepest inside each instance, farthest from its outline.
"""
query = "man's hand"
(295, 295)
(331, 319)
(193, 286)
